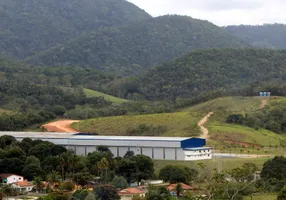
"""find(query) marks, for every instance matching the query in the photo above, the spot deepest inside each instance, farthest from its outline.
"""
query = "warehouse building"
(158, 148)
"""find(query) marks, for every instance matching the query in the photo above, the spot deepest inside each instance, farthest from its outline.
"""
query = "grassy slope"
(93, 93)
(222, 163)
(3, 111)
(178, 124)
(261, 197)
(221, 131)
(183, 123)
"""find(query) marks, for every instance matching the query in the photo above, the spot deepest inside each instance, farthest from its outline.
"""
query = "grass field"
(3, 111)
(261, 197)
(93, 93)
(222, 163)
(184, 123)
(229, 104)
(223, 131)
(177, 124)
(220, 131)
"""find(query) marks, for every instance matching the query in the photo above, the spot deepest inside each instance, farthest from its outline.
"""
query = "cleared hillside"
(30, 26)
(132, 48)
(166, 124)
(263, 36)
(93, 93)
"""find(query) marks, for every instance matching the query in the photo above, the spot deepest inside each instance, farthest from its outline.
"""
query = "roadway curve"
(202, 122)
(60, 126)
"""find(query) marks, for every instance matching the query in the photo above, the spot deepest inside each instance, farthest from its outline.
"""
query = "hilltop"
(205, 71)
(263, 36)
(29, 26)
(138, 46)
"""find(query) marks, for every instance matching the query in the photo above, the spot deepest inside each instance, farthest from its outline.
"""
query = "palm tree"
(38, 183)
(53, 178)
(103, 165)
(65, 162)
(179, 189)
(74, 160)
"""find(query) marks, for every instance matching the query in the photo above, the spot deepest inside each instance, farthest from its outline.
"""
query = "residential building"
(10, 178)
(129, 193)
(23, 186)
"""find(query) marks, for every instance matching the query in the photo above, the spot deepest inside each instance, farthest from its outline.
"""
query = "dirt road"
(263, 103)
(60, 126)
(204, 130)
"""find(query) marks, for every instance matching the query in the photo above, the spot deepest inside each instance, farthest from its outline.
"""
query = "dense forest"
(209, 71)
(27, 27)
(138, 46)
(263, 36)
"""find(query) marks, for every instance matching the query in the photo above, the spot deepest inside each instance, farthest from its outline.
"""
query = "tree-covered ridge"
(265, 36)
(209, 70)
(138, 46)
(34, 25)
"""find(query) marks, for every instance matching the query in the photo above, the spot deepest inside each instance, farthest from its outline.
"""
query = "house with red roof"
(23, 186)
(129, 193)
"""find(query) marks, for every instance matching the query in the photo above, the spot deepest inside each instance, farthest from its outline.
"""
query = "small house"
(129, 193)
(23, 186)
(10, 178)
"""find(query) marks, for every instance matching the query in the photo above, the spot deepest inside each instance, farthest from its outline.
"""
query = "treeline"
(43, 161)
(272, 117)
(204, 71)
(133, 48)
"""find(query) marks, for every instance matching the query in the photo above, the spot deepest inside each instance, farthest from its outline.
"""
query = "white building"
(158, 148)
(129, 193)
(23, 186)
(10, 178)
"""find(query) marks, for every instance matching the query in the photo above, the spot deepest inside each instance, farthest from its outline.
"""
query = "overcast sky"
(220, 12)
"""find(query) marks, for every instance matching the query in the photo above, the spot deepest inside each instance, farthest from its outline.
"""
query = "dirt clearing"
(60, 126)
(204, 130)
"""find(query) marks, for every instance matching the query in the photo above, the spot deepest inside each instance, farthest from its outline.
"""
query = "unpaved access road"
(60, 126)
(202, 122)
(263, 103)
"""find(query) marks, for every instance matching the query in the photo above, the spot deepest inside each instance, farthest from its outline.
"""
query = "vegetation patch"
(166, 124)
(93, 93)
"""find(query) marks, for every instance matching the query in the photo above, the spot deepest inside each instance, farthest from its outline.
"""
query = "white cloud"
(220, 12)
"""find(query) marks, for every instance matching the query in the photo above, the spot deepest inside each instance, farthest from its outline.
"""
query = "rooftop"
(58, 135)
(172, 187)
(131, 191)
(23, 184)
(6, 175)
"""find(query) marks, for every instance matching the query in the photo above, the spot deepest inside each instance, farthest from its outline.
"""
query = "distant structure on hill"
(264, 94)
(158, 148)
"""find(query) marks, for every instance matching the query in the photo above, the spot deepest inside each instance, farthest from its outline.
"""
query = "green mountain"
(266, 36)
(209, 70)
(29, 26)
(139, 46)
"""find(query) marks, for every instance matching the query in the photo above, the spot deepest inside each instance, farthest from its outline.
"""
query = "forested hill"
(266, 36)
(29, 26)
(208, 70)
(140, 45)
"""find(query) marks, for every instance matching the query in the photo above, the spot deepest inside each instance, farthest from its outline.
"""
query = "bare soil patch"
(60, 126)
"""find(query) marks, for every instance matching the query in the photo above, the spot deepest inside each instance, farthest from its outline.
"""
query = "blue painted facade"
(193, 143)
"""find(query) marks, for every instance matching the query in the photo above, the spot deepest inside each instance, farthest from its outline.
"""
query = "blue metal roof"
(193, 143)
